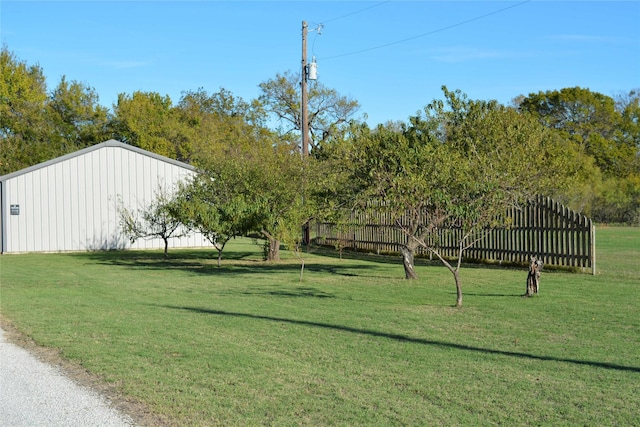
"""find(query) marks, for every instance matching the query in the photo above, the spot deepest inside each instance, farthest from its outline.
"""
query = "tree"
(156, 220)
(628, 105)
(393, 174)
(603, 130)
(24, 130)
(280, 210)
(216, 119)
(618, 201)
(36, 125)
(501, 159)
(588, 118)
(207, 204)
(453, 171)
(328, 111)
(148, 120)
(263, 182)
(190, 130)
(78, 118)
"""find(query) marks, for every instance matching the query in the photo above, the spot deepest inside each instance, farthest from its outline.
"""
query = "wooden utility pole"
(304, 119)
(304, 113)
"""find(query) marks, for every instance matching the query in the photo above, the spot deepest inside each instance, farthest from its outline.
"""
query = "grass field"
(351, 344)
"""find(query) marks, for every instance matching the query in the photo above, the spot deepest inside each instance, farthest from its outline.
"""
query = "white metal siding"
(72, 205)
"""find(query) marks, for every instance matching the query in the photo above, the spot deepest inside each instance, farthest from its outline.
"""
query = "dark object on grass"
(533, 278)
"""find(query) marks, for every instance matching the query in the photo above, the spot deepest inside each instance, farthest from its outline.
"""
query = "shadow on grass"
(406, 338)
(300, 292)
(422, 259)
(244, 261)
(205, 262)
(157, 257)
(475, 294)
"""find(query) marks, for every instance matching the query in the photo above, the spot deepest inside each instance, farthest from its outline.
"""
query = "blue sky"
(391, 56)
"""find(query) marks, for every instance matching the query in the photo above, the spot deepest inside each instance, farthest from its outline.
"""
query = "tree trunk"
(533, 278)
(456, 275)
(529, 292)
(407, 261)
(166, 247)
(273, 254)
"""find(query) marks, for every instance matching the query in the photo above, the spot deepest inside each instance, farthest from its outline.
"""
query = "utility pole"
(304, 113)
(304, 119)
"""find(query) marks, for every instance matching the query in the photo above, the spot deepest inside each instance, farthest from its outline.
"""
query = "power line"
(356, 12)
(477, 18)
(320, 25)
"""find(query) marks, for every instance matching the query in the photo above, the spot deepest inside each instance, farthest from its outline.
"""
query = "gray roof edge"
(109, 143)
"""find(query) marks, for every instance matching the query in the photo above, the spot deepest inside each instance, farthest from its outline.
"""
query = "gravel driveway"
(33, 393)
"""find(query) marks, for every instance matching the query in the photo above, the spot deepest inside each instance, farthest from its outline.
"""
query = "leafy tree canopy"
(36, 125)
(591, 120)
(328, 111)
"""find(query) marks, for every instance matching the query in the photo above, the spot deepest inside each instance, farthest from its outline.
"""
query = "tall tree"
(24, 129)
(607, 134)
(395, 173)
(216, 119)
(328, 110)
(588, 118)
(148, 120)
(77, 116)
(628, 105)
(36, 125)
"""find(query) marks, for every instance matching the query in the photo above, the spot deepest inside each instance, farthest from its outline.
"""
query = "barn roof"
(109, 143)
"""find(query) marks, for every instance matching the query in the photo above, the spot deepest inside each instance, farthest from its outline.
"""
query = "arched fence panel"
(544, 228)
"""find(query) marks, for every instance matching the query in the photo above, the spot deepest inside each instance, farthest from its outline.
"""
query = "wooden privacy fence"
(544, 228)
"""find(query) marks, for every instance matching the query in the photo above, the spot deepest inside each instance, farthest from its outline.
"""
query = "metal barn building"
(72, 203)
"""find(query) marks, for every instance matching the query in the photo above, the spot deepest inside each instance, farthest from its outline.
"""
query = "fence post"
(592, 247)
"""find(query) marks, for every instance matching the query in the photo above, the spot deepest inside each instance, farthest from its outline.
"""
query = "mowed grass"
(351, 344)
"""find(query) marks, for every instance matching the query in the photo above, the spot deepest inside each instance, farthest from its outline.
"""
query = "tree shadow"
(421, 259)
(157, 256)
(475, 294)
(299, 292)
(406, 338)
(235, 262)
(232, 263)
(188, 259)
(368, 256)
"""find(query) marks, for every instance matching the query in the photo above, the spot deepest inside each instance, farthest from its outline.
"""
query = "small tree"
(207, 205)
(454, 172)
(153, 221)
(260, 187)
(395, 174)
(283, 205)
(502, 159)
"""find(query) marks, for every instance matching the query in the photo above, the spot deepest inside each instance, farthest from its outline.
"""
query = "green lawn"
(352, 344)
